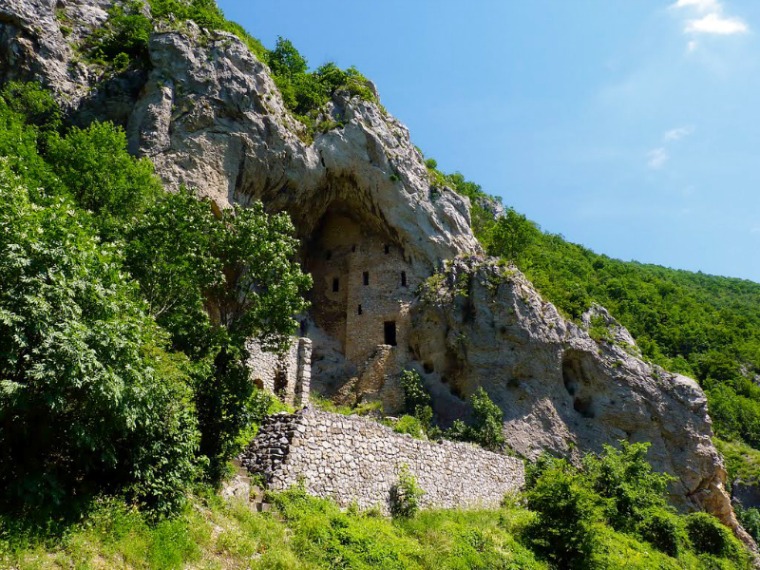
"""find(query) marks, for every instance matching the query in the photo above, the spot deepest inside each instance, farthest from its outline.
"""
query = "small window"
(390, 332)
(359, 310)
(403, 278)
(353, 248)
(328, 255)
(366, 277)
(387, 249)
(336, 285)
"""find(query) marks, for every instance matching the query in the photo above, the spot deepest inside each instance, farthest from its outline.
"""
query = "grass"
(308, 533)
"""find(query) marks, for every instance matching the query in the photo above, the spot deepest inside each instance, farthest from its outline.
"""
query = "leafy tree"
(512, 235)
(286, 61)
(628, 484)
(213, 282)
(100, 174)
(89, 399)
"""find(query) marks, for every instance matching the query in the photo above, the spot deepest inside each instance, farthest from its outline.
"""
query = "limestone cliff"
(207, 113)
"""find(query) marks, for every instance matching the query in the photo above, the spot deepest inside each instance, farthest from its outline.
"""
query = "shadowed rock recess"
(374, 230)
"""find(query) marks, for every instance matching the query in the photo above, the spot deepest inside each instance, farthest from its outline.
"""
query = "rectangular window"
(359, 310)
(366, 277)
(387, 249)
(336, 285)
(403, 278)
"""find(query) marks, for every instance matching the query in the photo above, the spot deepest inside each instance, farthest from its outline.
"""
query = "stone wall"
(362, 284)
(352, 459)
(286, 375)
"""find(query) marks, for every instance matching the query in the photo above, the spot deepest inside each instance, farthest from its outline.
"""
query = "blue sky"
(630, 127)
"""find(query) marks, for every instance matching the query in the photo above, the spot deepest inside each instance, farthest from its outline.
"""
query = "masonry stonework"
(355, 460)
(363, 288)
(287, 375)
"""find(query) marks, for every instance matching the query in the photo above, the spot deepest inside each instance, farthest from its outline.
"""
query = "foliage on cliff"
(123, 318)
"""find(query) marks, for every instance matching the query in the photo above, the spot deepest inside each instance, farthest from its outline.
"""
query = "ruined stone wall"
(287, 375)
(351, 459)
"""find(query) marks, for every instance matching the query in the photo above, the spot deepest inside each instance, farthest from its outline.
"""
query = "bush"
(563, 531)
(664, 530)
(405, 495)
(125, 34)
(709, 536)
(489, 421)
(626, 481)
(100, 174)
(410, 425)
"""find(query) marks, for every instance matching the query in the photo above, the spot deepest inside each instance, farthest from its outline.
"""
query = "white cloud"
(677, 134)
(656, 158)
(701, 5)
(716, 24)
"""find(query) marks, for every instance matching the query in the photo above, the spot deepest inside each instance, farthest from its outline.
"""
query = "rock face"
(210, 117)
(481, 324)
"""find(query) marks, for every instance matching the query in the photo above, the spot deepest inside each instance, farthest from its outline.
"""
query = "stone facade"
(352, 459)
(363, 288)
(286, 375)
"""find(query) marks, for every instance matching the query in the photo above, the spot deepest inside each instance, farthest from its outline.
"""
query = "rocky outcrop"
(481, 324)
(211, 118)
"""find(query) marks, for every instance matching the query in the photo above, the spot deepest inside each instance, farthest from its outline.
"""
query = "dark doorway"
(336, 285)
(390, 332)
(365, 277)
(280, 383)
(359, 310)
(387, 249)
(403, 278)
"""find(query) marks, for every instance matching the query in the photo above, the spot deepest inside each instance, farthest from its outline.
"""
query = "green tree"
(286, 61)
(213, 282)
(90, 401)
(100, 174)
(512, 235)
(625, 479)
(489, 421)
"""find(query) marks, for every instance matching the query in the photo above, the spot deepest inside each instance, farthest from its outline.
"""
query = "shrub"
(101, 175)
(563, 532)
(626, 480)
(416, 397)
(709, 536)
(409, 425)
(405, 495)
(664, 530)
(125, 34)
(489, 421)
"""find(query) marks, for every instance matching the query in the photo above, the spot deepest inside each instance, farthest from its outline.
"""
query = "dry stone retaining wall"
(351, 459)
